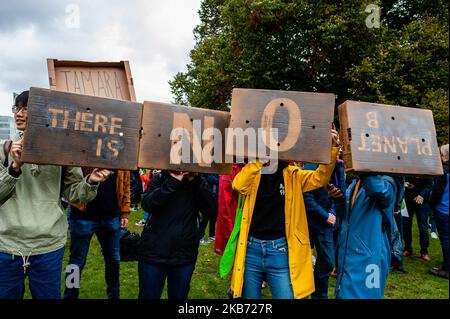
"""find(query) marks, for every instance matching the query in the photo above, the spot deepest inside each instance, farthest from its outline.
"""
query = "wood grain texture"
(79, 130)
(381, 138)
(303, 121)
(156, 144)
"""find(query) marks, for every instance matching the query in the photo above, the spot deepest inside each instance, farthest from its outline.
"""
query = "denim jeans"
(152, 278)
(442, 228)
(267, 259)
(324, 243)
(108, 234)
(422, 212)
(43, 271)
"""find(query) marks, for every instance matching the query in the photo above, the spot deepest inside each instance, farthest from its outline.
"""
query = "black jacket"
(422, 187)
(438, 188)
(172, 236)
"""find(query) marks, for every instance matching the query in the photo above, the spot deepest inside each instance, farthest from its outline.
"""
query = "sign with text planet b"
(79, 130)
(379, 138)
(295, 126)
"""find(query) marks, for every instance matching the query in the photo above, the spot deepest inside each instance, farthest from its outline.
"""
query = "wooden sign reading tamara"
(79, 130)
(387, 139)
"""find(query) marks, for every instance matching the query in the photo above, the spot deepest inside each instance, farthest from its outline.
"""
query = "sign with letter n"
(379, 138)
(297, 125)
(183, 138)
(103, 79)
(79, 130)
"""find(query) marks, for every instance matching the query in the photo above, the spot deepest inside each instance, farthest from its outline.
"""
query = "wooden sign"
(80, 130)
(104, 79)
(183, 139)
(303, 121)
(387, 139)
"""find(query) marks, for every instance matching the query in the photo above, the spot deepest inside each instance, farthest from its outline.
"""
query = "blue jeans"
(43, 271)
(324, 243)
(422, 212)
(442, 228)
(146, 216)
(108, 234)
(267, 259)
(152, 278)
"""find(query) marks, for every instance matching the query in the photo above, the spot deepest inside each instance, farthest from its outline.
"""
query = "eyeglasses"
(17, 109)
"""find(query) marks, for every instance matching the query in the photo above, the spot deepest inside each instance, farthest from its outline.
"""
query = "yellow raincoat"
(296, 181)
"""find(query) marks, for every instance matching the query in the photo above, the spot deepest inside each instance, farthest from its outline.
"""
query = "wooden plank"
(103, 79)
(80, 130)
(158, 122)
(386, 139)
(303, 120)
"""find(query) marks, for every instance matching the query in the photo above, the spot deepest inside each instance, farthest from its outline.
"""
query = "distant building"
(7, 127)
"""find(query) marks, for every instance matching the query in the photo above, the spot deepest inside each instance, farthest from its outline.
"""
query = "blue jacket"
(364, 252)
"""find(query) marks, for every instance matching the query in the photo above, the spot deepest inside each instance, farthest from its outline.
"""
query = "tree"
(320, 46)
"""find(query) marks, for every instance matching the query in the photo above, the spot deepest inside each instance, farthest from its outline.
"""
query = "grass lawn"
(206, 283)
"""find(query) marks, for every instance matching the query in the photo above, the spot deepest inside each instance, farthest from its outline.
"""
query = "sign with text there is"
(80, 130)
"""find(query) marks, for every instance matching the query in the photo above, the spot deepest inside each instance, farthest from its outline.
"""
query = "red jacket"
(228, 199)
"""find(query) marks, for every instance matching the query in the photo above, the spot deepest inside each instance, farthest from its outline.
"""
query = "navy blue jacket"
(318, 204)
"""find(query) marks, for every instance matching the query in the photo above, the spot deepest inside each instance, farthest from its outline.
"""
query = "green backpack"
(227, 260)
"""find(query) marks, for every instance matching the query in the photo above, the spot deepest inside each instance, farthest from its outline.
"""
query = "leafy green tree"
(321, 46)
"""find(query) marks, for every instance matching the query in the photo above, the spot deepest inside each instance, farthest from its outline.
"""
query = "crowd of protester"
(298, 226)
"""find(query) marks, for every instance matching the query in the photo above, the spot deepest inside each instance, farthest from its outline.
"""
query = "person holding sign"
(33, 226)
(274, 242)
(170, 239)
(364, 244)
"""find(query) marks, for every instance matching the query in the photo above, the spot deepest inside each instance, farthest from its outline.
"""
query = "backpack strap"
(6, 149)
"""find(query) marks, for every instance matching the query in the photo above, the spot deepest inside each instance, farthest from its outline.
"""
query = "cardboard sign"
(80, 130)
(104, 79)
(183, 139)
(386, 139)
(303, 121)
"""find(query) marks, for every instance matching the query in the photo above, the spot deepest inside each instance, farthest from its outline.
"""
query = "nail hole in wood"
(367, 135)
(399, 158)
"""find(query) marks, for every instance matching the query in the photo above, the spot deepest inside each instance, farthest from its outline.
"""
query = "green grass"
(206, 283)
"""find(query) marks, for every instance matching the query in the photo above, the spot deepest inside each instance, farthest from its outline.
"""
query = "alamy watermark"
(373, 19)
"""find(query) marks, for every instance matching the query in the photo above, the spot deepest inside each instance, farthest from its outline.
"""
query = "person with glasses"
(33, 226)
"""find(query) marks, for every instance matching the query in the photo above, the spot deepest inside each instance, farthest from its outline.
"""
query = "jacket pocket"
(361, 247)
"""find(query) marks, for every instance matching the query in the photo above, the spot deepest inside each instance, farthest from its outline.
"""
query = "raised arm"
(244, 180)
(159, 192)
(379, 189)
(312, 180)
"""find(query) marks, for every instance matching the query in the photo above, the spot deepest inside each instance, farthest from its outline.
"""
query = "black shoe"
(439, 272)
(399, 269)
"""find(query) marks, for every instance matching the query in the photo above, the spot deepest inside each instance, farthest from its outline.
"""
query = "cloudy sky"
(155, 36)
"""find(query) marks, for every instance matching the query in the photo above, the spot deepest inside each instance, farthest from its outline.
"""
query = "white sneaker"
(204, 242)
(212, 238)
(434, 235)
(314, 260)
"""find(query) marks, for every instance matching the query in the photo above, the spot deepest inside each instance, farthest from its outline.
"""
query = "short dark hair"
(22, 99)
